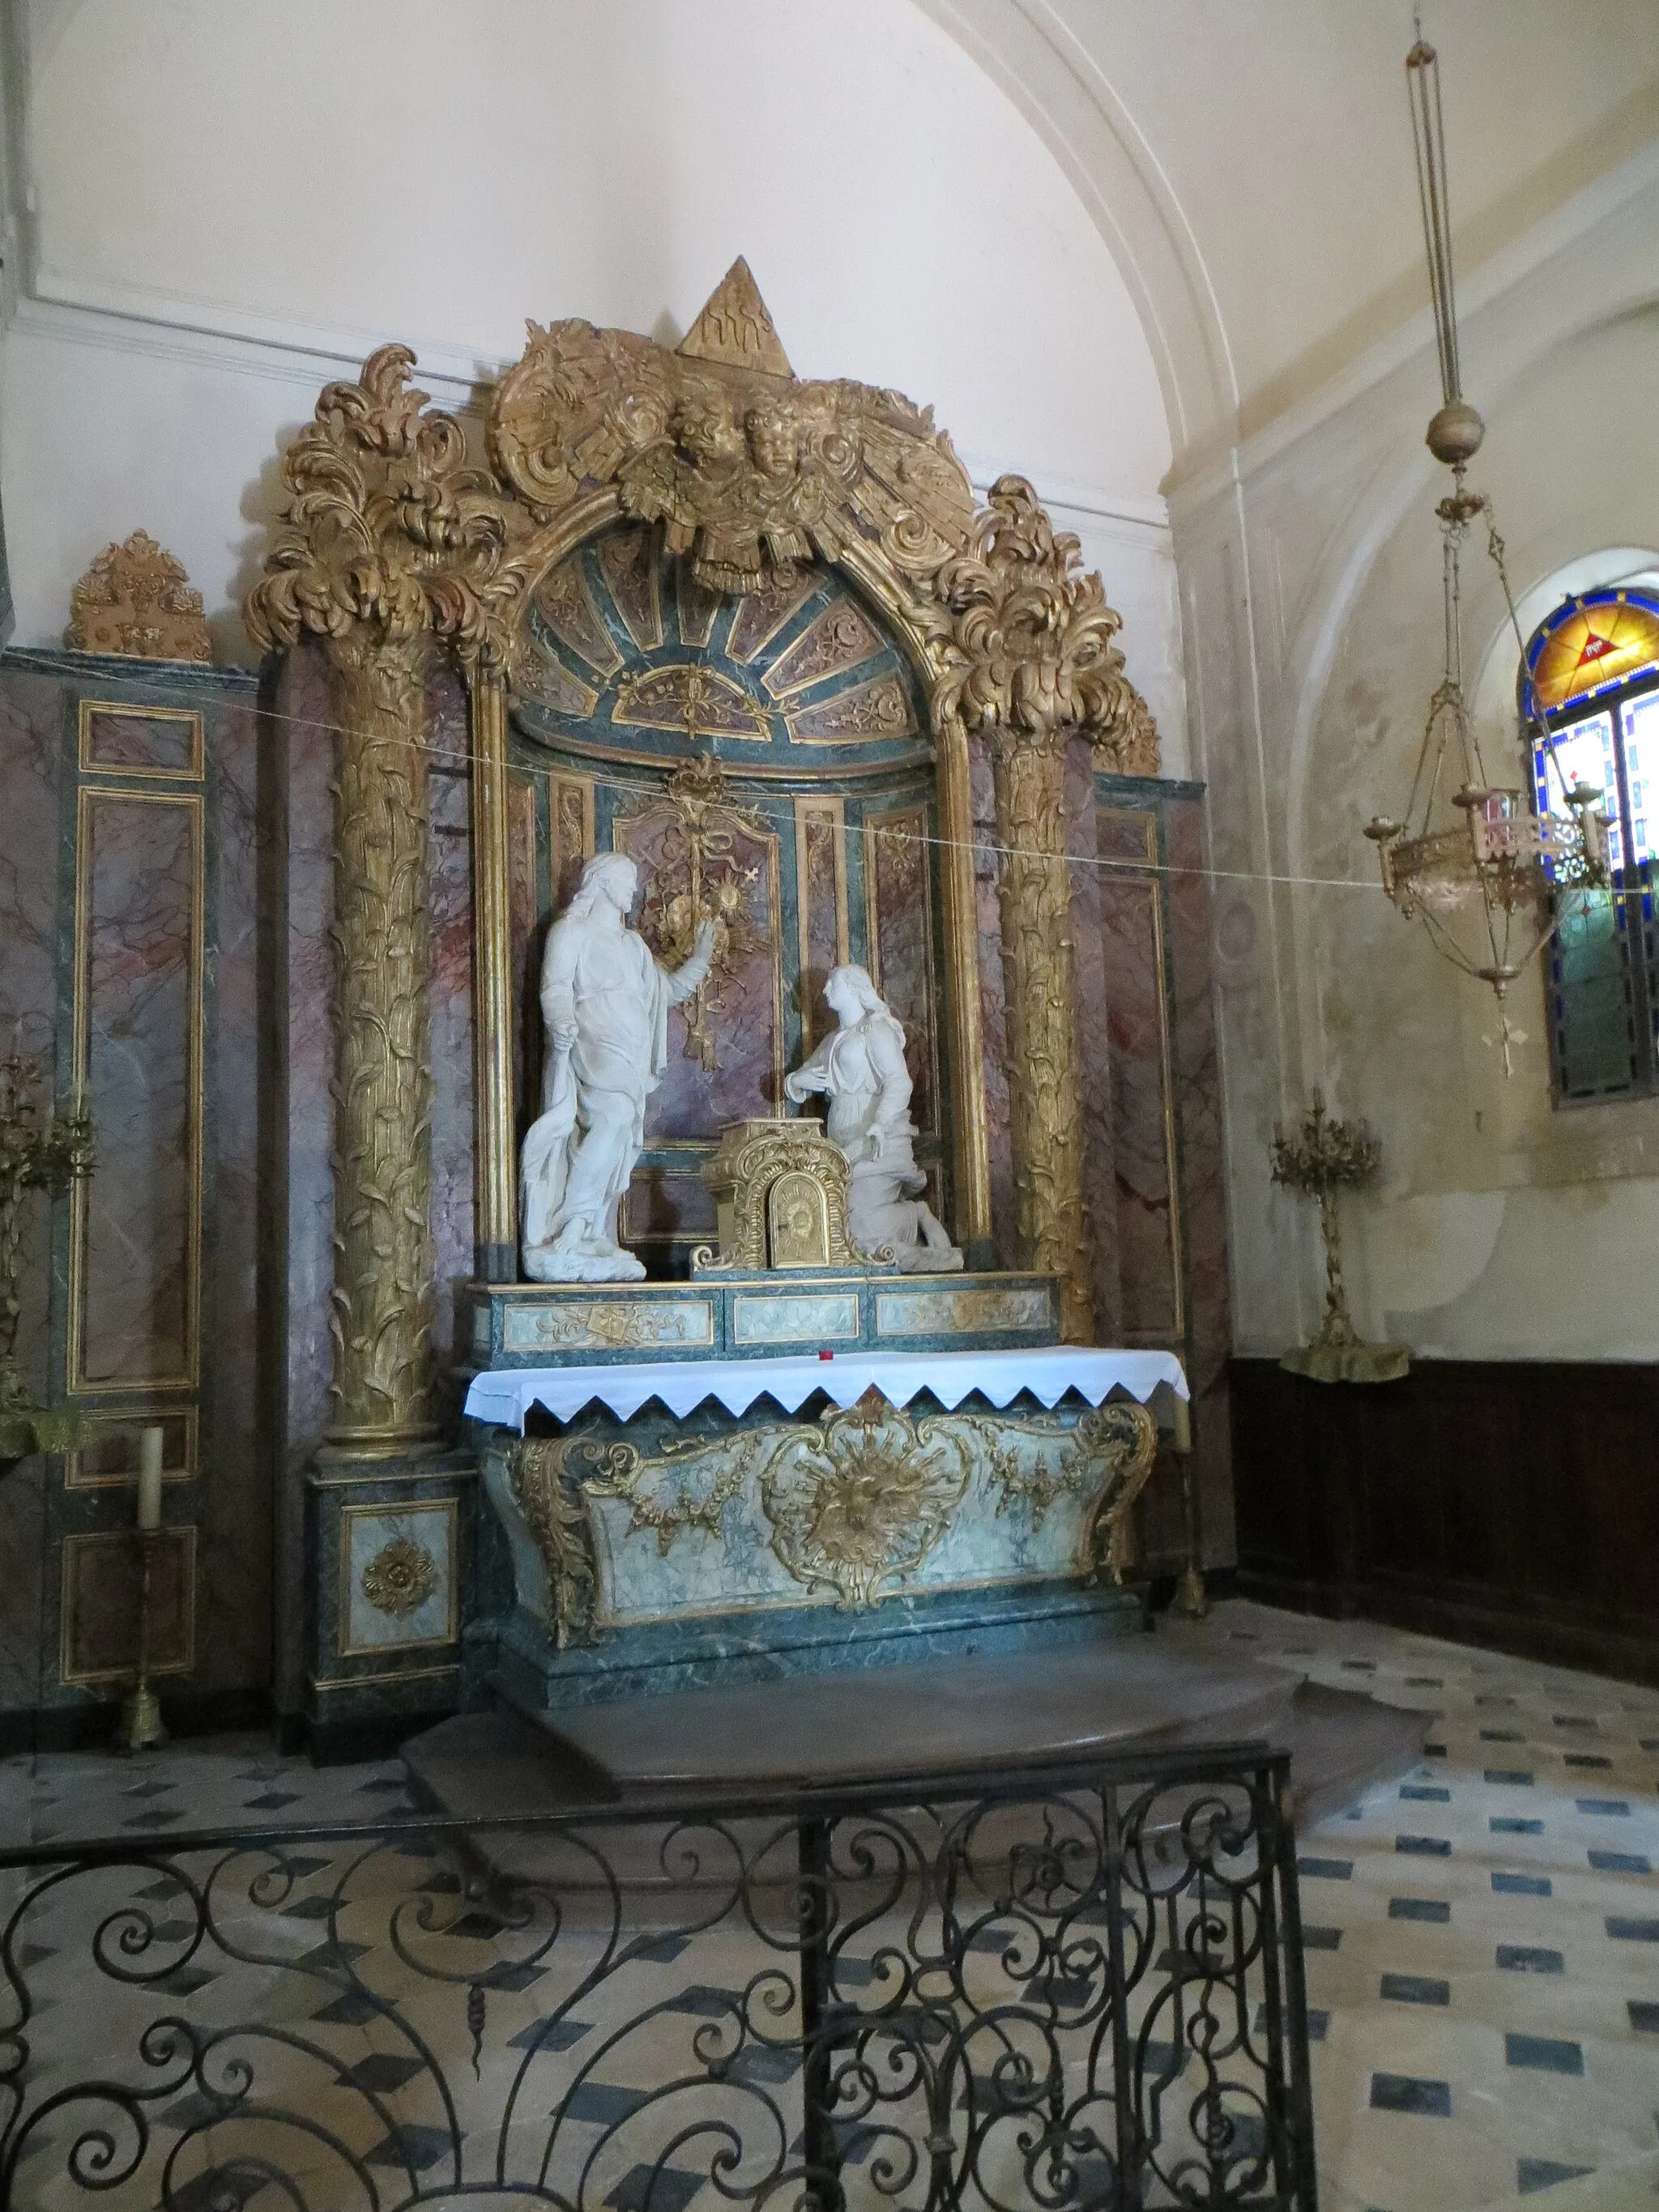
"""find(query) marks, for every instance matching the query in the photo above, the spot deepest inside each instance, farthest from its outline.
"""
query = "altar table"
(677, 1524)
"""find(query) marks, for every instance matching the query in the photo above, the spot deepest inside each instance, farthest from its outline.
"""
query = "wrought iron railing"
(1058, 1988)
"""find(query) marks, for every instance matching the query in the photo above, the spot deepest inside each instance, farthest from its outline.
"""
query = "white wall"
(233, 203)
(1502, 1227)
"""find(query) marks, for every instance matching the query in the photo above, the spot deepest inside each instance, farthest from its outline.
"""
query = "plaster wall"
(1502, 1227)
(1253, 165)
(227, 207)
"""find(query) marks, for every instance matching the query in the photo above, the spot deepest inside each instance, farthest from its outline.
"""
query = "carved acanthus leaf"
(388, 530)
(1030, 659)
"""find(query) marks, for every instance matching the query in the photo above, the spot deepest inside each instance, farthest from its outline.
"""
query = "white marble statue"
(859, 1068)
(606, 1002)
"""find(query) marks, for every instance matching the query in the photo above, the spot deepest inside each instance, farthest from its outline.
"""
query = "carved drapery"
(393, 547)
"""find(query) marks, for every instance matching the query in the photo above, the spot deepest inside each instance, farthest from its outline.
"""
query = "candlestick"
(140, 1725)
(1190, 1592)
(151, 1450)
(1183, 1425)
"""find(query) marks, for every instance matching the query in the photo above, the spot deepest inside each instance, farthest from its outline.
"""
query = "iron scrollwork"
(1073, 1988)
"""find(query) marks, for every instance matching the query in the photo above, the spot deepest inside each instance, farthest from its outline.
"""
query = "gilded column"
(492, 993)
(391, 548)
(1045, 1088)
(383, 1262)
(973, 1151)
(1030, 661)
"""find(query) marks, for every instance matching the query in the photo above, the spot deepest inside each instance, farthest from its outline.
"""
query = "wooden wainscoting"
(1514, 1505)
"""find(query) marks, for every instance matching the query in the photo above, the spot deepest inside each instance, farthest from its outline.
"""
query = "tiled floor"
(1482, 1938)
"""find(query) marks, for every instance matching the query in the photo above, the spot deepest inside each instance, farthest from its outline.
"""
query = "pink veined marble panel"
(1143, 1104)
(898, 878)
(450, 860)
(234, 1508)
(138, 990)
(306, 743)
(993, 1012)
(820, 889)
(744, 1016)
(1198, 1093)
(155, 745)
(1091, 1006)
(31, 721)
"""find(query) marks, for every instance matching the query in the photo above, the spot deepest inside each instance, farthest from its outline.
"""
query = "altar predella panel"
(765, 755)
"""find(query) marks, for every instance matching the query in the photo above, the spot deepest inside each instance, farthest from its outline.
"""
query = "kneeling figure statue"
(859, 1068)
(605, 1002)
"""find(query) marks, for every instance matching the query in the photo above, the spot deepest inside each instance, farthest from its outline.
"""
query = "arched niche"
(767, 755)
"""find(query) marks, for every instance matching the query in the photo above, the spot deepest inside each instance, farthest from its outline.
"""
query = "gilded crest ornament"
(136, 600)
(749, 469)
(861, 1500)
(400, 1577)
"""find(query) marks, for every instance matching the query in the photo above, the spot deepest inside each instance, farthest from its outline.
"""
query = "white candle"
(149, 1479)
(1183, 1427)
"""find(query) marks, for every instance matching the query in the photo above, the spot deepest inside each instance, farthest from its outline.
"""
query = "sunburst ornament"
(1490, 876)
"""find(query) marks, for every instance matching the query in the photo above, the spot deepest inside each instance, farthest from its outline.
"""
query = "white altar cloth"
(505, 1394)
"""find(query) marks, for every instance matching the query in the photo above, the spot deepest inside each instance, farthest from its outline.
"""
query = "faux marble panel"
(107, 1458)
(578, 1324)
(450, 847)
(943, 1312)
(31, 751)
(629, 559)
(1143, 1103)
(161, 742)
(821, 898)
(306, 716)
(102, 1577)
(236, 1461)
(1092, 1002)
(829, 1318)
(746, 1009)
(760, 615)
(398, 1576)
(992, 1013)
(1198, 1094)
(898, 885)
(136, 1273)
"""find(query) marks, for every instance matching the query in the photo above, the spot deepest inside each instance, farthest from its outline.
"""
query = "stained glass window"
(1591, 676)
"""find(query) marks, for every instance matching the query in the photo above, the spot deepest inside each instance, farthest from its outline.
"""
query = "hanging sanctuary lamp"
(1486, 872)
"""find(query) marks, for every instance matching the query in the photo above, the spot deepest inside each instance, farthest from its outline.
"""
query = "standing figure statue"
(606, 1002)
(860, 1067)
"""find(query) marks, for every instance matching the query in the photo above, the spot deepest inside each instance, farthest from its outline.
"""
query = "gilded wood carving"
(136, 599)
(854, 1504)
(395, 544)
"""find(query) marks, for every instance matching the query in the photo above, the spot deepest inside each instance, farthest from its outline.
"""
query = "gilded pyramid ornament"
(736, 328)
